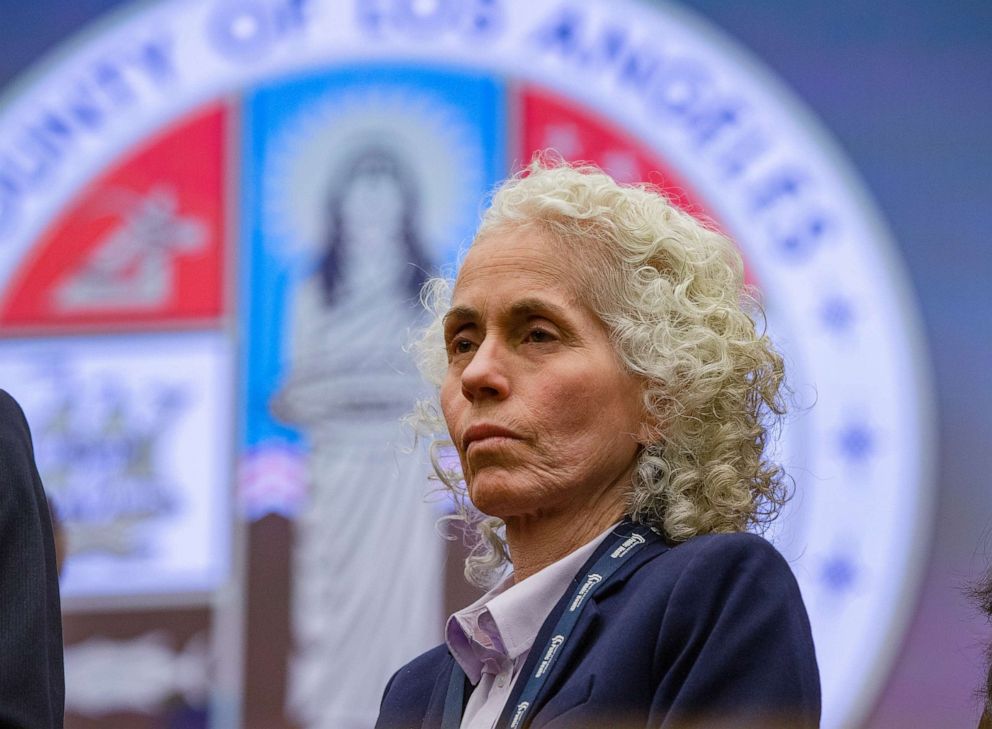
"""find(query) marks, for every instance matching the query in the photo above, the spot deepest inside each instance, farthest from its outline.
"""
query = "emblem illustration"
(132, 266)
(351, 218)
(105, 473)
(216, 215)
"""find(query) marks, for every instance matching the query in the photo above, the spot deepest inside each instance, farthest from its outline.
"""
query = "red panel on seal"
(143, 243)
(553, 122)
(549, 121)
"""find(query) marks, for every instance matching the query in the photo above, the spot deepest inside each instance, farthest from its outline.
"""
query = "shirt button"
(501, 680)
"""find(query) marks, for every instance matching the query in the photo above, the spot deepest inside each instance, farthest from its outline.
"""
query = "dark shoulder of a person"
(743, 545)
(14, 435)
(735, 556)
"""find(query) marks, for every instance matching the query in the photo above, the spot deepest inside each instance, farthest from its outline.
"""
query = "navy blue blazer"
(32, 686)
(711, 632)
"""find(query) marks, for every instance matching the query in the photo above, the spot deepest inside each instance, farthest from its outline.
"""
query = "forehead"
(523, 260)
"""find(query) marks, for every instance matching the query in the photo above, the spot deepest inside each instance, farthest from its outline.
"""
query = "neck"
(538, 540)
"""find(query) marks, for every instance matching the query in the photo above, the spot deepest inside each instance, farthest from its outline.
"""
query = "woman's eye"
(540, 336)
(461, 346)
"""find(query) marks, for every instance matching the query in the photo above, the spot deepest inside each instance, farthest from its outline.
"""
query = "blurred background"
(208, 216)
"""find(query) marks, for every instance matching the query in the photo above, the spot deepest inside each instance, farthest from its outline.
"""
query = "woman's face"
(543, 415)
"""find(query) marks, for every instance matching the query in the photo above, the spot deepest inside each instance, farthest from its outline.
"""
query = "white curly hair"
(671, 292)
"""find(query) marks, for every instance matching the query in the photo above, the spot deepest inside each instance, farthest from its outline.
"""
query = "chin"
(501, 497)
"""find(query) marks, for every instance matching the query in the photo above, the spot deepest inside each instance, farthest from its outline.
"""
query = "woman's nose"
(486, 376)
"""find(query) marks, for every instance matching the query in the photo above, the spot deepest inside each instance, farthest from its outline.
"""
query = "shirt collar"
(501, 625)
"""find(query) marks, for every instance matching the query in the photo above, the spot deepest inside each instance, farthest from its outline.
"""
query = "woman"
(609, 400)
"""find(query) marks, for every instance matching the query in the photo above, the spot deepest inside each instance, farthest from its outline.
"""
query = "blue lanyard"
(629, 538)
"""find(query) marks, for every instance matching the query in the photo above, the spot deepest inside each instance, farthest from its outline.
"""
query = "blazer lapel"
(435, 705)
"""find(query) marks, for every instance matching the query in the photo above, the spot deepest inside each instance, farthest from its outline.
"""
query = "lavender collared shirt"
(491, 638)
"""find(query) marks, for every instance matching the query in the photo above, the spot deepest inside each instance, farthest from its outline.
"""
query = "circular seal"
(161, 164)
